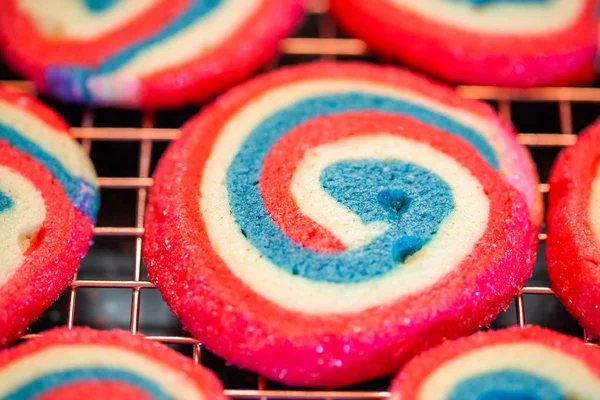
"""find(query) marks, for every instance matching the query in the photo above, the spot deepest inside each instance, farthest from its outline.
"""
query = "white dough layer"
(20, 223)
(71, 19)
(61, 357)
(570, 373)
(62, 147)
(499, 18)
(455, 239)
(324, 209)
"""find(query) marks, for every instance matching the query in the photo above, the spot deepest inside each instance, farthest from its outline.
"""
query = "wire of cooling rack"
(325, 46)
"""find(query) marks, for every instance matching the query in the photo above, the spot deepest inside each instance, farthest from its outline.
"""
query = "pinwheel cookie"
(142, 53)
(483, 42)
(99, 365)
(321, 224)
(514, 363)
(48, 203)
(573, 250)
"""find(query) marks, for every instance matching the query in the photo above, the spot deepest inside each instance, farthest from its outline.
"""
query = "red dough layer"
(463, 56)
(572, 252)
(328, 350)
(203, 379)
(408, 383)
(52, 257)
(248, 49)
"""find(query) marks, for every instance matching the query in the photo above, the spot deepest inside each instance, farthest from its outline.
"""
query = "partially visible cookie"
(481, 42)
(513, 363)
(321, 224)
(142, 53)
(98, 365)
(573, 246)
(48, 203)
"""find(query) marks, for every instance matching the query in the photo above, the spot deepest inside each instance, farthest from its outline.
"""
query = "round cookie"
(48, 203)
(481, 42)
(301, 229)
(514, 363)
(573, 245)
(142, 53)
(87, 364)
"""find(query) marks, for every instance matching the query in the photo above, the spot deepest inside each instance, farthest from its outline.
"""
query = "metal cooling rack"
(317, 39)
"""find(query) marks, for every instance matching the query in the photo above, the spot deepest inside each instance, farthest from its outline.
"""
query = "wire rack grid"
(326, 44)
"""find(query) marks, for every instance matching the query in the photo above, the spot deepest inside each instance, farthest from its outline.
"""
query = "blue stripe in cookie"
(82, 194)
(507, 384)
(5, 202)
(71, 80)
(45, 383)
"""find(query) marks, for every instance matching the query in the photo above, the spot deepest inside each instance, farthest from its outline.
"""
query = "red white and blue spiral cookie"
(573, 247)
(482, 42)
(48, 203)
(142, 53)
(97, 365)
(321, 224)
(515, 363)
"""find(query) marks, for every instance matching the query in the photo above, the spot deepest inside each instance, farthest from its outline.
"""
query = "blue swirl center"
(45, 383)
(412, 200)
(97, 6)
(509, 384)
(83, 194)
(5, 202)
(70, 81)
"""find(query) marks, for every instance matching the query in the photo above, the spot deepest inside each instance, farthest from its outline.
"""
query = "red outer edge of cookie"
(248, 49)
(572, 253)
(203, 378)
(32, 105)
(239, 325)
(411, 377)
(454, 55)
(53, 256)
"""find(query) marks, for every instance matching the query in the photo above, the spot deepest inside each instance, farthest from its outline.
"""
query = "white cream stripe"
(71, 19)
(543, 361)
(60, 357)
(20, 223)
(455, 239)
(62, 147)
(324, 209)
(499, 18)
